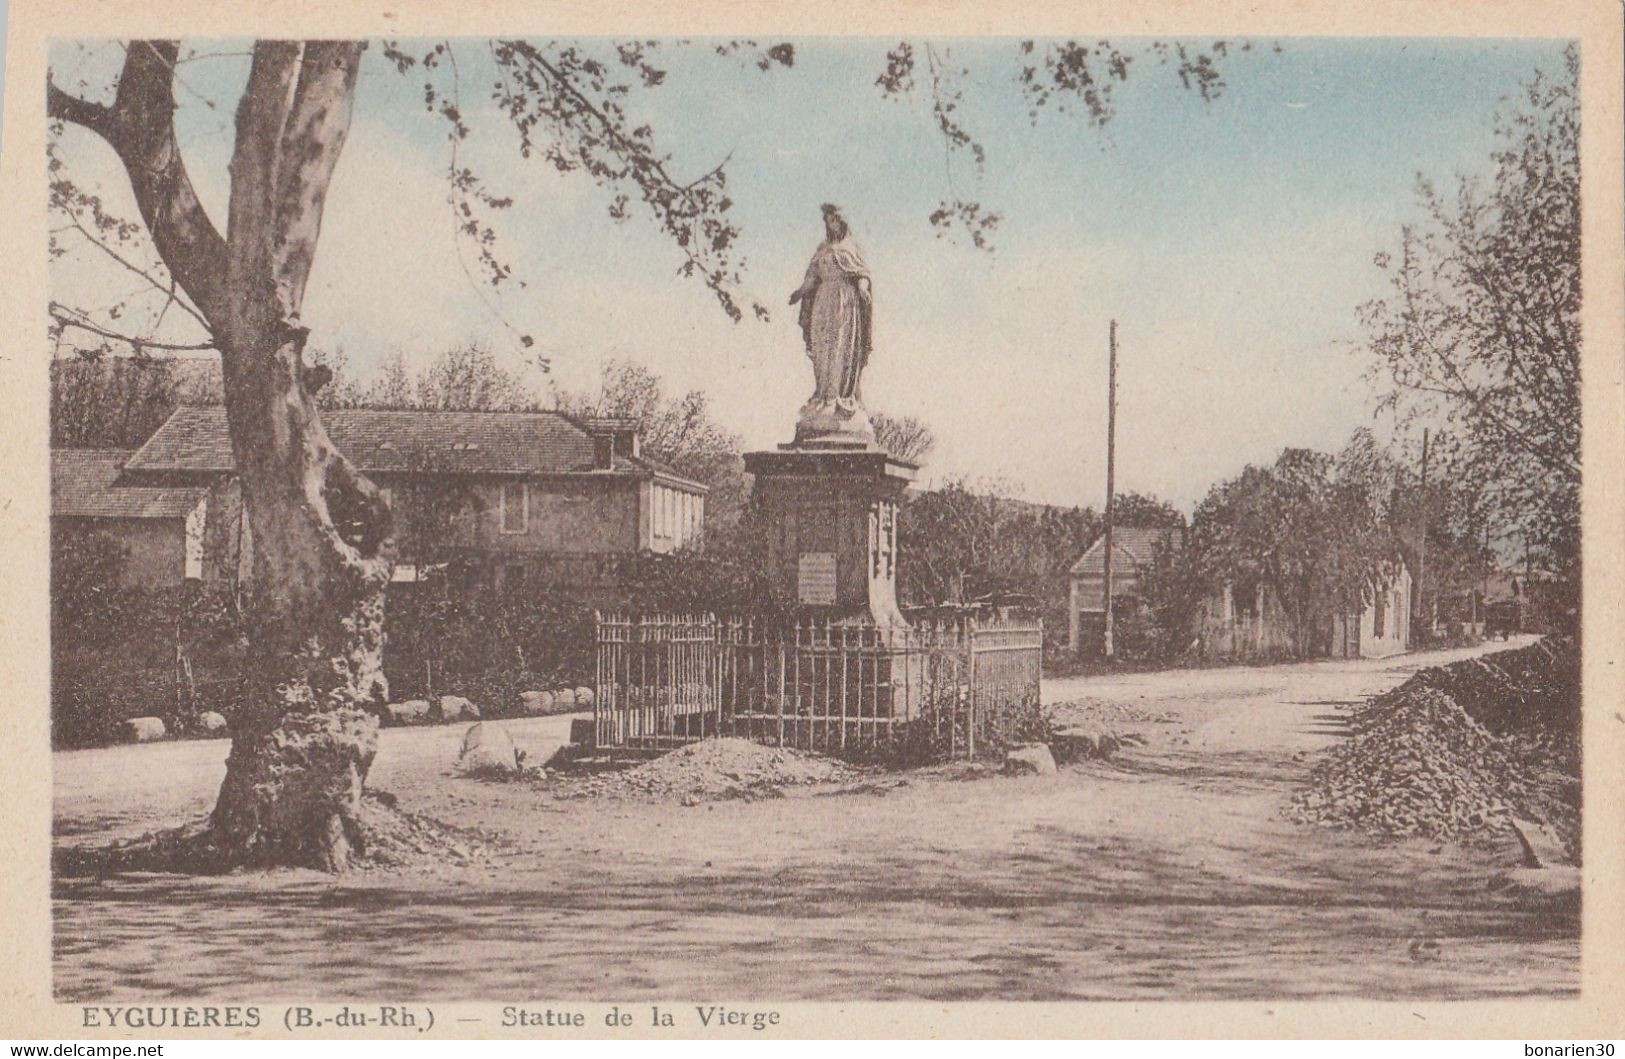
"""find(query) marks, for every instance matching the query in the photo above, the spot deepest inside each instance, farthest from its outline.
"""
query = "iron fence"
(847, 688)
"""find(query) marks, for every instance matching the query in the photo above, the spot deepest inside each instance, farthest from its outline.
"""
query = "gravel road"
(1170, 872)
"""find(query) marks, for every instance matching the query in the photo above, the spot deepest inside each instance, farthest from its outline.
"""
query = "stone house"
(1243, 621)
(1383, 627)
(1134, 549)
(1249, 622)
(503, 495)
(159, 527)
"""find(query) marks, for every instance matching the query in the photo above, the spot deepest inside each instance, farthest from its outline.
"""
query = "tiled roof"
(195, 439)
(1132, 547)
(664, 470)
(82, 487)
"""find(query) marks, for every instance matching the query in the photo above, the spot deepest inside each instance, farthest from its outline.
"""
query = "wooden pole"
(1111, 485)
(1419, 606)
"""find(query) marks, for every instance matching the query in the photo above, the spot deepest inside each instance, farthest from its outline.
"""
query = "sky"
(1232, 240)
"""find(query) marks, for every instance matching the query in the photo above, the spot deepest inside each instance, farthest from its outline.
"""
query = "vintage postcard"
(672, 521)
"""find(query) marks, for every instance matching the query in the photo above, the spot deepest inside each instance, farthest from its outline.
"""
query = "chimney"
(612, 437)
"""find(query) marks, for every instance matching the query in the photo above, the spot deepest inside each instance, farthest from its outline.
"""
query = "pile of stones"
(1419, 764)
(457, 708)
(398, 838)
(1460, 751)
(1531, 690)
(559, 700)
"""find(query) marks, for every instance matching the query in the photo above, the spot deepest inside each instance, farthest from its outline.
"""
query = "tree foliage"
(678, 430)
(961, 542)
(1055, 77)
(116, 402)
(464, 378)
(1441, 525)
(1315, 530)
(1141, 509)
(905, 437)
(1480, 328)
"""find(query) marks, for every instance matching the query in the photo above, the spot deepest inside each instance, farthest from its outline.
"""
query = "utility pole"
(1419, 607)
(1111, 484)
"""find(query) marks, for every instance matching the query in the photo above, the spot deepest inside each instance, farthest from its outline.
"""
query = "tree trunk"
(307, 732)
(303, 738)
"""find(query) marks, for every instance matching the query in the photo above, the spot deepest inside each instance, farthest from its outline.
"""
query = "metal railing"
(846, 688)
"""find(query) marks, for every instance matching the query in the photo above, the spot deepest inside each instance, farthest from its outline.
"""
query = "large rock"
(144, 729)
(1029, 759)
(583, 696)
(455, 707)
(412, 711)
(487, 748)
(1085, 741)
(565, 698)
(211, 722)
(1541, 846)
(535, 702)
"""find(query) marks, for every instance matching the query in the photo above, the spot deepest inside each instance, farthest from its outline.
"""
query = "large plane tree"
(305, 733)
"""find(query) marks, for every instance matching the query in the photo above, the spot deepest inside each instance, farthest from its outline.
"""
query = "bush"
(85, 572)
(118, 653)
(940, 732)
(729, 576)
(486, 645)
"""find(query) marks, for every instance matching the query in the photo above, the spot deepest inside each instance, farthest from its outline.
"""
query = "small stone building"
(1134, 549)
(1244, 620)
(159, 527)
(1383, 628)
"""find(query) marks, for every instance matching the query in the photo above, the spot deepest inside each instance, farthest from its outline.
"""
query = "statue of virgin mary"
(836, 299)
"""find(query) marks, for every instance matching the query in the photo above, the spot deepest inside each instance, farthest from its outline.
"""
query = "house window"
(1377, 621)
(662, 513)
(515, 507)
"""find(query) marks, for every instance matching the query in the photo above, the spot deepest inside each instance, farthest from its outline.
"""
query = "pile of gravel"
(1532, 690)
(1423, 761)
(713, 769)
(1419, 765)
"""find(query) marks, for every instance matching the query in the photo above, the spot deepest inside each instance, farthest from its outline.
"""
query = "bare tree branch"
(139, 126)
(168, 289)
(69, 317)
(63, 106)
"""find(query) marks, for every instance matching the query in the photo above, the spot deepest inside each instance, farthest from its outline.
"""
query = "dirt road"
(1166, 873)
(122, 791)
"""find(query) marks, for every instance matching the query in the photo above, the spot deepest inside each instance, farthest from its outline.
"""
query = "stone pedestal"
(833, 423)
(831, 509)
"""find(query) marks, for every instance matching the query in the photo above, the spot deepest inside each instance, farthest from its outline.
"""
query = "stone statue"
(836, 300)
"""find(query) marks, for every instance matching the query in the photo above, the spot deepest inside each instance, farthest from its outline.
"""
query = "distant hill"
(1008, 507)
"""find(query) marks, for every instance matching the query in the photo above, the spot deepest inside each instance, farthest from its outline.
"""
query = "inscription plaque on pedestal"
(815, 579)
